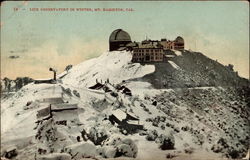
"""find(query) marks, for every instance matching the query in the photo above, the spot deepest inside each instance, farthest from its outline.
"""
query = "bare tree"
(68, 67)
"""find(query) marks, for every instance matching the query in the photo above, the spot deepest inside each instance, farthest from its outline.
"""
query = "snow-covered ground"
(115, 66)
(198, 119)
(178, 53)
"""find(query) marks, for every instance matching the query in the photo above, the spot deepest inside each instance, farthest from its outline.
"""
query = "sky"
(32, 41)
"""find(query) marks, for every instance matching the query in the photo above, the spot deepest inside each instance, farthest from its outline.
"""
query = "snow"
(170, 56)
(178, 53)
(174, 65)
(190, 121)
(82, 149)
(55, 156)
(19, 123)
(133, 122)
(115, 66)
(121, 115)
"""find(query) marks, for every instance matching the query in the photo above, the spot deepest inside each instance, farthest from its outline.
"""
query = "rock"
(67, 91)
(189, 150)
(170, 155)
(28, 103)
(146, 109)
(108, 151)
(142, 133)
(154, 103)
(163, 127)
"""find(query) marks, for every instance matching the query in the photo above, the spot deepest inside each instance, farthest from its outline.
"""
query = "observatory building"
(147, 50)
(179, 43)
(118, 39)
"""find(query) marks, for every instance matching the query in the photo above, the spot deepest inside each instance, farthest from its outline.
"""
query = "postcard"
(142, 80)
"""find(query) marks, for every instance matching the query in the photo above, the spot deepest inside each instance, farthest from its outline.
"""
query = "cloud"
(14, 57)
(19, 51)
(36, 61)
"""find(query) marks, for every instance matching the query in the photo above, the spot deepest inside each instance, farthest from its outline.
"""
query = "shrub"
(76, 93)
(117, 146)
(233, 153)
(97, 135)
(166, 141)
(68, 67)
(151, 135)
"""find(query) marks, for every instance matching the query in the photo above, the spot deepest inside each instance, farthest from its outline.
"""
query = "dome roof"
(179, 39)
(119, 35)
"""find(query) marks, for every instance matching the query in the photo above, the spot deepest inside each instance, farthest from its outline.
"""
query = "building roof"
(11, 148)
(97, 86)
(51, 100)
(119, 35)
(63, 106)
(150, 45)
(122, 115)
(119, 114)
(132, 44)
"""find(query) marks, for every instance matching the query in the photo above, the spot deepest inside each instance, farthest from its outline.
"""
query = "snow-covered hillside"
(178, 122)
(115, 66)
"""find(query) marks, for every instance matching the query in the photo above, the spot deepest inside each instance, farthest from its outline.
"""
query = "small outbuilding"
(124, 90)
(125, 120)
(61, 113)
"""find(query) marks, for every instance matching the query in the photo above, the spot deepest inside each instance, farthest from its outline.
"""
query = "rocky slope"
(193, 69)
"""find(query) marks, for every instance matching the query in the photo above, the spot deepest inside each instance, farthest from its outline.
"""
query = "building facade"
(150, 51)
(177, 44)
